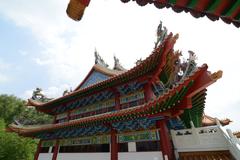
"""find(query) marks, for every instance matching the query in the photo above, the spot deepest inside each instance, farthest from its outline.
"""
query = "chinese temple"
(227, 10)
(154, 111)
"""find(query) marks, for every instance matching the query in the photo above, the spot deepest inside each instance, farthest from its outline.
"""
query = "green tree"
(10, 107)
(30, 116)
(13, 147)
(13, 108)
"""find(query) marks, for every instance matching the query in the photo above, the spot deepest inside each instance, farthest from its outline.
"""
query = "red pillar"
(68, 116)
(114, 145)
(165, 142)
(54, 119)
(117, 101)
(117, 98)
(148, 93)
(55, 152)
(38, 150)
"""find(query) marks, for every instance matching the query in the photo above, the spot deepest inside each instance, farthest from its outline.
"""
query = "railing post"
(232, 137)
(38, 150)
(175, 145)
(195, 133)
(218, 123)
(55, 152)
(192, 124)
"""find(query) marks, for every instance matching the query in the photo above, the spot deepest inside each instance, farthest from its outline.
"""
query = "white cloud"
(128, 31)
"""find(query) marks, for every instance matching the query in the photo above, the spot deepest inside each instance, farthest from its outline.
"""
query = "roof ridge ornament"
(161, 34)
(99, 60)
(139, 61)
(37, 95)
(117, 65)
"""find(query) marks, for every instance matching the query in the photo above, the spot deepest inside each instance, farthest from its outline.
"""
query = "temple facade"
(154, 111)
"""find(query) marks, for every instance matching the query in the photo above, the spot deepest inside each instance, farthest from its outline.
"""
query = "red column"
(117, 98)
(117, 101)
(54, 119)
(38, 150)
(148, 93)
(165, 142)
(55, 152)
(114, 145)
(68, 116)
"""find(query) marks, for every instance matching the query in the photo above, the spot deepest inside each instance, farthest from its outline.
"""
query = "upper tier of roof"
(105, 73)
(227, 10)
(156, 60)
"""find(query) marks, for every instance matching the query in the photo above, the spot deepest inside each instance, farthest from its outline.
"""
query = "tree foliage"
(13, 147)
(10, 107)
(13, 108)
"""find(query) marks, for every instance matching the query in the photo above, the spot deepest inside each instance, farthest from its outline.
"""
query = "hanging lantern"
(75, 9)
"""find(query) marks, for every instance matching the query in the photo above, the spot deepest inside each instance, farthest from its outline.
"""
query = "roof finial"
(161, 34)
(138, 61)
(117, 65)
(99, 60)
(39, 96)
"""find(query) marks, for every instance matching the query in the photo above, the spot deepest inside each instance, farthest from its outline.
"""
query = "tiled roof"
(104, 70)
(227, 10)
(159, 105)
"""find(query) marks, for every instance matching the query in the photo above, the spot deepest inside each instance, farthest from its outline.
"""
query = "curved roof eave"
(124, 112)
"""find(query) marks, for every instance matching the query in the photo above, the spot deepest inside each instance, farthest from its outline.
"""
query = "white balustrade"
(104, 156)
(212, 138)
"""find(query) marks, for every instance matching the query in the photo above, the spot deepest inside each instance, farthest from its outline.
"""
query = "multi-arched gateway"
(150, 112)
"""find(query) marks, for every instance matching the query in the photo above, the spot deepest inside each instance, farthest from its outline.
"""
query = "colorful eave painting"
(227, 10)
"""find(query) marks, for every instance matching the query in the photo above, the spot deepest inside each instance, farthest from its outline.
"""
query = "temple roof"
(165, 104)
(97, 74)
(156, 60)
(237, 134)
(227, 10)
(210, 121)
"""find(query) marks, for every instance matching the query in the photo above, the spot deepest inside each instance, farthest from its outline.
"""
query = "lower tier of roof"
(170, 104)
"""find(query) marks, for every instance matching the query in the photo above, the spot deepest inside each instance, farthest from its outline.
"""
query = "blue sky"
(15, 45)
(41, 47)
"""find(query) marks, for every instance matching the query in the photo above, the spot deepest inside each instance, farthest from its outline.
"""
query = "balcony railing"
(213, 138)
